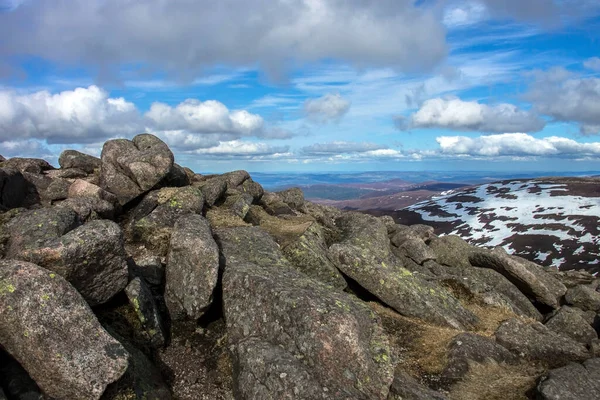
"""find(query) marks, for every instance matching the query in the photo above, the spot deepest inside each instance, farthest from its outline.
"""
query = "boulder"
(535, 341)
(529, 277)
(364, 255)
(58, 189)
(31, 165)
(293, 197)
(235, 178)
(405, 387)
(177, 177)
(252, 188)
(583, 297)
(81, 188)
(81, 161)
(213, 190)
(91, 257)
(131, 168)
(192, 268)
(417, 250)
(570, 322)
(572, 382)
(467, 347)
(49, 328)
(68, 173)
(14, 189)
(452, 251)
(274, 204)
(140, 298)
(301, 340)
(150, 269)
(237, 203)
(90, 208)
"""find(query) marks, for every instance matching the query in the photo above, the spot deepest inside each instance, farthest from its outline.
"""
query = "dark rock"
(529, 277)
(238, 203)
(574, 277)
(213, 190)
(302, 339)
(235, 178)
(49, 328)
(57, 190)
(468, 347)
(293, 197)
(90, 208)
(570, 322)
(583, 297)
(452, 251)
(325, 216)
(252, 188)
(16, 382)
(192, 268)
(141, 300)
(274, 204)
(131, 168)
(14, 189)
(81, 161)
(536, 342)
(364, 255)
(572, 382)
(417, 250)
(424, 232)
(405, 387)
(91, 256)
(151, 269)
(31, 165)
(177, 177)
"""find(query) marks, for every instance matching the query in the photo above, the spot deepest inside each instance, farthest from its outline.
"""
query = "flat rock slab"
(49, 328)
(572, 382)
(364, 255)
(529, 277)
(584, 297)
(76, 159)
(571, 322)
(293, 337)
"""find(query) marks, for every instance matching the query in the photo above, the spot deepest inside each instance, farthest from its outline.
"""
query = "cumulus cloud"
(240, 149)
(174, 35)
(80, 115)
(341, 147)
(22, 148)
(516, 144)
(454, 113)
(565, 97)
(328, 108)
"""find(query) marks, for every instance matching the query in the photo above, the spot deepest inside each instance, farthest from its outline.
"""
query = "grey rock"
(78, 359)
(90, 208)
(16, 382)
(177, 177)
(274, 204)
(417, 250)
(583, 297)
(67, 173)
(570, 322)
(140, 297)
(302, 339)
(252, 188)
(131, 168)
(192, 268)
(57, 190)
(425, 232)
(405, 387)
(81, 161)
(467, 347)
(364, 255)
(529, 277)
(149, 268)
(31, 165)
(572, 382)
(452, 251)
(235, 178)
(293, 197)
(81, 188)
(536, 342)
(213, 190)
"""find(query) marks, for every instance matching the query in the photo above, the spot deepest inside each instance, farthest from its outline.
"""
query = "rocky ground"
(130, 277)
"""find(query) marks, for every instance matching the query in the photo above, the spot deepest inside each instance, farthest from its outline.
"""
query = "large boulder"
(213, 189)
(30, 165)
(91, 257)
(584, 297)
(405, 387)
(572, 382)
(141, 299)
(49, 328)
(302, 340)
(452, 250)
(81, 161)
(14, 189)
(131, 168)
(529, 277)
(192, 268)
(364, 255)
(293, 197)
(571, 322)
(535, 341)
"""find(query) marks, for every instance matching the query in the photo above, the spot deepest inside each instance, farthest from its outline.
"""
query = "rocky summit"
(131, 277)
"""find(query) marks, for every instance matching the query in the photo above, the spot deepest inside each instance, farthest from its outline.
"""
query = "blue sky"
(308, 85)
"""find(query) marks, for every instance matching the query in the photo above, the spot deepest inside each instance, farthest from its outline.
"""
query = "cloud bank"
(328, 108)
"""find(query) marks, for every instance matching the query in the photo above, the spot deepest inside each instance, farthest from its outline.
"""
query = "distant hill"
(552, 221)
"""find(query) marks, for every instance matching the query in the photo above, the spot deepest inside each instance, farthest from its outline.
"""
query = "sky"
(308, 85)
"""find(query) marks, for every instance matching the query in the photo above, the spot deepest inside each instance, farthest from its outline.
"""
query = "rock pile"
(130, 277)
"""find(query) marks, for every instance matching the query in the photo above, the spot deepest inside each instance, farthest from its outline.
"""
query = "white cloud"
(184, 36)
(240, 149)
(592, 63)
(80, 115)
(341, 147)
(22, 148)
(463, 14)
(516, 144)
(328, 108)
(564, 97)
(454, 113)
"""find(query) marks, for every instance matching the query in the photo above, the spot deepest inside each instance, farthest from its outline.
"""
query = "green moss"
(52, 275)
